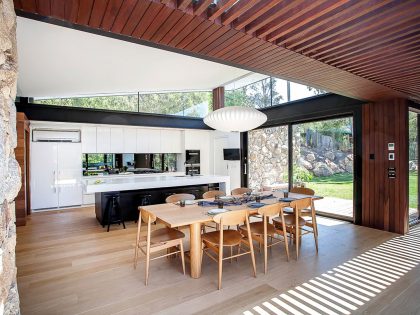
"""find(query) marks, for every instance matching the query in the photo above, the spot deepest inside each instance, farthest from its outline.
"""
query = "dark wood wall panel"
(385, 200)
(218, 98)
(22, 199)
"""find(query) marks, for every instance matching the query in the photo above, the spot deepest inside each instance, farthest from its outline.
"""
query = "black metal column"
(290, 154)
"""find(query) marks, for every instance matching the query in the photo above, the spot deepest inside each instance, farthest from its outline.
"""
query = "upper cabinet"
(201, 140)
(103, 143)
(130, 140)
(116, 142)
(148, 141)
(89, 140)
(171, 141)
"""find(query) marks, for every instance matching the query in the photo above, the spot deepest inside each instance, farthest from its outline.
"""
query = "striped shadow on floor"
(346, 288)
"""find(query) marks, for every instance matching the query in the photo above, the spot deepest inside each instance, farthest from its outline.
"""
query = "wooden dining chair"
(264, 230)
(207, 195)
(241, 191)
(295, 224)
(213, 193)
(306, 213)
(157, 240)
(214, 242)
(303, 191)
(178, 197)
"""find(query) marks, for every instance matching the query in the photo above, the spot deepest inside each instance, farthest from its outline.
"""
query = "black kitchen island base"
(130, 200)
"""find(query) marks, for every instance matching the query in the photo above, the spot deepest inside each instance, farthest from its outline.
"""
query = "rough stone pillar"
(9, 167)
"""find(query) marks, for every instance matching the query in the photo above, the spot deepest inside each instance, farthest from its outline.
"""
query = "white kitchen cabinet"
(69, 174)
(201, 140)
(103, 140)
(171, 141)
(130, 140)
(88, 199)
(43, 172)
(148, 141)
(116, 140)
(155, 141)
(88, 140)
(56, 172)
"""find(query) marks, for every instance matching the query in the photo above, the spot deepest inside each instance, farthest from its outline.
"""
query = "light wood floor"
(68, 264)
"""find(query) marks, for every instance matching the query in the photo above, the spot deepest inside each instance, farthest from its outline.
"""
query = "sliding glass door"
(323, 161)
(413, 177)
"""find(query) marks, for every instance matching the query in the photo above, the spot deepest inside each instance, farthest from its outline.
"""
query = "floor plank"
(68, 264)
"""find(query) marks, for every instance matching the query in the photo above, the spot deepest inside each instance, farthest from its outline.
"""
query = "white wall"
(227, 140)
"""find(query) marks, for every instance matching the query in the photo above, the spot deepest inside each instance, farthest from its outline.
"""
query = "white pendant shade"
(235, 118)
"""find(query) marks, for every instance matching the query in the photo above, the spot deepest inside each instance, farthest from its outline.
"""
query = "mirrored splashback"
(137, 163)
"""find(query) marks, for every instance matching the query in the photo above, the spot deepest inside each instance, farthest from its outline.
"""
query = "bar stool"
(145, 200)
(113, 211)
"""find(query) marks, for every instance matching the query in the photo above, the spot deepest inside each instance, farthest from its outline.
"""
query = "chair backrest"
(303, 191)
(301, 203)
(272, 210)
(241, 191)
(146, 216)
(213, 193)
(231, 218)
(178, 197)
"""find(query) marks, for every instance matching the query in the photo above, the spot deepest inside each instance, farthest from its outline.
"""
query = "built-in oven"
(192, 162)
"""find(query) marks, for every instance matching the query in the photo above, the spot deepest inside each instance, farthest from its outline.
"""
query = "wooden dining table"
(174, 216)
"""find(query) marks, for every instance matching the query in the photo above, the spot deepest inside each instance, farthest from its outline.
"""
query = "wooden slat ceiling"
(366, 49)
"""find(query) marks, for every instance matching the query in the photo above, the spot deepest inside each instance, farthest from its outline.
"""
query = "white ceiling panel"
(55, 61)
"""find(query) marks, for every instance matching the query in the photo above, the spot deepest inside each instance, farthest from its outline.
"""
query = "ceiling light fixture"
(235, 118)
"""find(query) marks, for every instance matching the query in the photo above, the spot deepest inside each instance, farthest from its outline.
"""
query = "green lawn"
(341, 186)
(338, 186)
(412, 189)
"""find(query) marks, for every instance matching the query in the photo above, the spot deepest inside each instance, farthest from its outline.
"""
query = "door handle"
(54, 182)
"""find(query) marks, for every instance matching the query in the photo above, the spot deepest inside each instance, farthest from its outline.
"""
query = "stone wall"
(9, 168)
(268, 156)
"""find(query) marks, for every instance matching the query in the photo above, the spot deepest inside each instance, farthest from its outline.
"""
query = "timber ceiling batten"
(366, 49)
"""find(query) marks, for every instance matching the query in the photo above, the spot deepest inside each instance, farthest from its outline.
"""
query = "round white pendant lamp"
(235, 118)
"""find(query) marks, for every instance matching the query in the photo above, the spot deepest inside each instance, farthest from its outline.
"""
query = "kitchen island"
(133, 191)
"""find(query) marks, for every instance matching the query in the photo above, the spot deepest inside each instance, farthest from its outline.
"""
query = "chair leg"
(286, 244)
(181, 248)
(253, 259)
(202, 253)
(146, 277)
(265, 254)
(136, 251)
(297, 239)
(220, 267)
(265, 240)
(239, 251)
(231, 254)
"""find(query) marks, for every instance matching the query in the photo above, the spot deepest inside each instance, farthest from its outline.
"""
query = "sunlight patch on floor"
(347, 287)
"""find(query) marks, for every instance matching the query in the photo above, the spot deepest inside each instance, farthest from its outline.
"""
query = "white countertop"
(102, 176)
(130, 182)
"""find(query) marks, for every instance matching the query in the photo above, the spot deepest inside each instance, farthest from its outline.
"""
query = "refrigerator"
(56, 174)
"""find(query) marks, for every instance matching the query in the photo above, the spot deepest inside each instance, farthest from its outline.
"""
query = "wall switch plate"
(391, 156)
(391, 146)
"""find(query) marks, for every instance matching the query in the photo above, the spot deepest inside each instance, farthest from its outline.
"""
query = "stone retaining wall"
(9, 168)
(268, 157)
